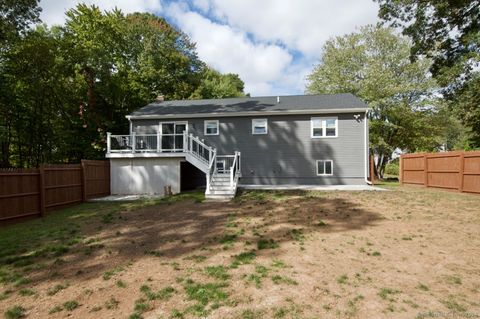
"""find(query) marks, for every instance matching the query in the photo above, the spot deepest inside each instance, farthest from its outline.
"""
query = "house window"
(211, 127)
(324, 127)
(324, 167)
(259, 126)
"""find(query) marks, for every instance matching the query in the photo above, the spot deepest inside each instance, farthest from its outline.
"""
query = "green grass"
(71, 305)
(26, 292)
(162, 294)
(55, 310)
(388, 293)
(343, 279)
(112, 272)
(278, 280)
(453, 305)
(277, 263)
(423, 287)
(228, 239)
(121, 284)
(243, 258)
(267, 244)
(111, 303)
(205, 293)
(456, 280)
(15, 312)
(53, 290)
(217, 272)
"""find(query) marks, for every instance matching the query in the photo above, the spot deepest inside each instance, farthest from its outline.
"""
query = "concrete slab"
(314, 187)
(123, 198)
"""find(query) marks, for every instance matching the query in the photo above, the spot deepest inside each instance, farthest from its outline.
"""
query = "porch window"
(322, 127)
(211, 127)
(259, 126)
(324, 167)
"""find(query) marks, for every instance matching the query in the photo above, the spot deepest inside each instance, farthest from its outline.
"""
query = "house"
(249, 141)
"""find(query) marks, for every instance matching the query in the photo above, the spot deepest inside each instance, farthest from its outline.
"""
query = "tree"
(374, 65)
(15, 16)
(449, 33)
(63, 88)
(215, 85)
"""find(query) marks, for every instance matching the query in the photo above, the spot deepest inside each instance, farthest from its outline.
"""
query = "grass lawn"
(406, 253)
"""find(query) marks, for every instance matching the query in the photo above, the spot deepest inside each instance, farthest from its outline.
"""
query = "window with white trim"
(322, 127)
(211, 127)
(259, 126)
(324, 167)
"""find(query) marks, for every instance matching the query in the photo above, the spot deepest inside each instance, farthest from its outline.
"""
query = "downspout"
(367, 153)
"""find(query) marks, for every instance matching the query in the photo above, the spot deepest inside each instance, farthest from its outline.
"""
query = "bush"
(392, 169)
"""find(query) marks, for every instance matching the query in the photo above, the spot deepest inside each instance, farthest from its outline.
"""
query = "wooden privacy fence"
(33, 192)
(452, 170)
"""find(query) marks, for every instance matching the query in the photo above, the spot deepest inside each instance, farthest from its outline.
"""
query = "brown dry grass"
(407, 253)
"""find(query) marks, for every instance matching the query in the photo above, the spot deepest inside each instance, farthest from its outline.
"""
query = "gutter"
(238, 114)
(367, 153)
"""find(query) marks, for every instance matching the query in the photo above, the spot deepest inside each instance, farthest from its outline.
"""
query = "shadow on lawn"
(185, 228)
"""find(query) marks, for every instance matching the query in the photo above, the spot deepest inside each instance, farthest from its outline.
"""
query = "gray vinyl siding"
(287, 154)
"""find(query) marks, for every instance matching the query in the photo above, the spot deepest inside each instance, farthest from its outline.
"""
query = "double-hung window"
(324, 167)
(259, 126)
(211, 127)
(322, 127)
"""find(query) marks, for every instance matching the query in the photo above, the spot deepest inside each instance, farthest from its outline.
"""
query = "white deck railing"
(145, 143)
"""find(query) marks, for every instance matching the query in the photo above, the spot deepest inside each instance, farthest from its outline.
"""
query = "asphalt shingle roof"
(252, 104)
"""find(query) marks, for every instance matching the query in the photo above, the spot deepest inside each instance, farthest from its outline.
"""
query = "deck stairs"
(222, 171)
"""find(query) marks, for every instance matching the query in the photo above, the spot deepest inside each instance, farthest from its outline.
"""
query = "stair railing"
(196, 147)
(235, 170)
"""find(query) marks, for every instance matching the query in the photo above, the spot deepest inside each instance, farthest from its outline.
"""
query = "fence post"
(42, 190)
(401, 169)
(462, 169)
(425, 169)
(109, 143)
(84, 180)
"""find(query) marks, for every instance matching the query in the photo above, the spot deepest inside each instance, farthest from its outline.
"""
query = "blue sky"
(271, 44)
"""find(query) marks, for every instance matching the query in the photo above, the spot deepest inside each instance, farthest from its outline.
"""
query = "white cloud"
(53, 11)
(230, 50)
(303, 25)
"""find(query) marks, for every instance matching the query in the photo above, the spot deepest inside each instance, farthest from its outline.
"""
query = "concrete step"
(219, 197)
(221, 192)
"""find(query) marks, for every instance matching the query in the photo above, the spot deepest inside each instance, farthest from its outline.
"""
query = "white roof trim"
(237, 114)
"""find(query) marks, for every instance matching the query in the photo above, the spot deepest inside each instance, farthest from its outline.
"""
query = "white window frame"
(324, 161)
(265, 121)
(174, 134)
(205, 127)
(324, 126)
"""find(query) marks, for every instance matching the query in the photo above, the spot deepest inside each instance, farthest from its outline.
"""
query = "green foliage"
(447, 31)
(15, 17)
(392, 168)
(375, 65)
(215, 85)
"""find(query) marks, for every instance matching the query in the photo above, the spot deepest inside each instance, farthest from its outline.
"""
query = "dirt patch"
(408, 253)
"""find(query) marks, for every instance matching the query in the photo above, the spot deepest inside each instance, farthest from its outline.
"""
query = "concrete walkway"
(314, 187)
(124, 198)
